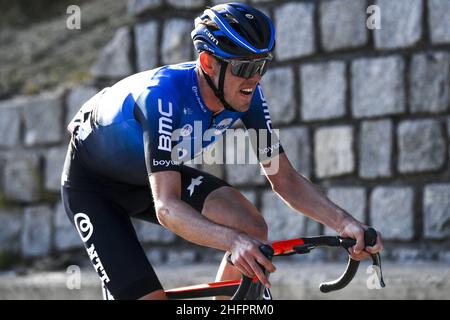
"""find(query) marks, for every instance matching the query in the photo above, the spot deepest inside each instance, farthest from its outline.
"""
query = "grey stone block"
(54, 162)
(343, 24)
(421, 146)
(176, 44)
(333, 154)
(66, 235)
(278, 87)
(146, 36)
(444, 256)
(298, 17)
(351, 199)
(244, 174)
(296, 144)
(10, 122)
(21, 178)
(406, 255)
(114, 61)
(42, 117)
(375, 147)
(181, 257)
(439, 21)
(138, 7)
(149, 232)
(436, 211)
(401, 23)
(156, 256)
(186, 4)
(323, 88)
(11, 224)
(284, 222)
(430, 82)
(377, 86)
(76, 98)
(36, 233)
(391, 211)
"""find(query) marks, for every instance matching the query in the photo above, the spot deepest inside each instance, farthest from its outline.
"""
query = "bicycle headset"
(234, 31)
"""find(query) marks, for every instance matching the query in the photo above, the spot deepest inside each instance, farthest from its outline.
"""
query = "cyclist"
(121, 164)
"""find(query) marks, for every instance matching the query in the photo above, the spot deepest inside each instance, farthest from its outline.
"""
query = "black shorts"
(101, 209)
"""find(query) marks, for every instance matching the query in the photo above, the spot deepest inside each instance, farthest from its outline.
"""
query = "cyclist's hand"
(355, 230)
(245, 255)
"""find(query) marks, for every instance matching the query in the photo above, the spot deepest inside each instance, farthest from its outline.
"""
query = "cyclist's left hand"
(355, 230)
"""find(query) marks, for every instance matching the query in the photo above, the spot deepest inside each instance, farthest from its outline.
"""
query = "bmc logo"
(164, 127)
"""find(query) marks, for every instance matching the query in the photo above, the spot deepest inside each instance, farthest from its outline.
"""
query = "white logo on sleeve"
(194, 182)
(164, 126)
(84, 226)
(186, 130)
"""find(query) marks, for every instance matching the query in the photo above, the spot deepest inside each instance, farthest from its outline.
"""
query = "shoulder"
(168, 83)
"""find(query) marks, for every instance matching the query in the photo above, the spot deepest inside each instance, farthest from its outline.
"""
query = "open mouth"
(247, 91)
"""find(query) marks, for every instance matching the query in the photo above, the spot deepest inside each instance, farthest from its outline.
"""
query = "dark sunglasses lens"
(238, 69)
(242, 69)
(249, 69)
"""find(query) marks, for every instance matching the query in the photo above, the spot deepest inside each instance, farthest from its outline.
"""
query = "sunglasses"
(248, 68)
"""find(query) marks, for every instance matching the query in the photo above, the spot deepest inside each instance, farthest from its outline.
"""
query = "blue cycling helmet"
(239, 31)
(232, 30)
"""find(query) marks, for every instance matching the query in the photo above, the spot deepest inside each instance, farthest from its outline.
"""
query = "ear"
(208, 63)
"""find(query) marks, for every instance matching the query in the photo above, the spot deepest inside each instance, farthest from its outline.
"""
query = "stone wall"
(362, 113)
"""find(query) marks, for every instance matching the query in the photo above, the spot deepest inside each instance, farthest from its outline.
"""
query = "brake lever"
(370, 239)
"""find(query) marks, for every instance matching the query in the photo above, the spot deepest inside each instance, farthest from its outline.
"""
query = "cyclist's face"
(239, 91)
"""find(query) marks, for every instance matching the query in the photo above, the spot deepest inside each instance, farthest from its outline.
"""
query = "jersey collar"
(196, 92)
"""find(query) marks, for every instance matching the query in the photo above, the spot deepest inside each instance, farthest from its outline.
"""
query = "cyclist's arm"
(303, 196)
(293, 188)
(179, 217)
(184, 220)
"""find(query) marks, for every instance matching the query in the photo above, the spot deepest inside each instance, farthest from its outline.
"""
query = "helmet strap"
(219, 91)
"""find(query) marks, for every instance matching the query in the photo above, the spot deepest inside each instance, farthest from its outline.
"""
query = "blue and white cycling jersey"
(128, 134)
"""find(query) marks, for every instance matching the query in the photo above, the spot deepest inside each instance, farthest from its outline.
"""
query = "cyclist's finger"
(361, 256)
(259, 273)
(359, 247)
(266, 263)
(244, 268)
(378, 246)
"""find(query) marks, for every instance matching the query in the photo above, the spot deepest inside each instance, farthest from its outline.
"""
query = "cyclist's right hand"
(245, 255)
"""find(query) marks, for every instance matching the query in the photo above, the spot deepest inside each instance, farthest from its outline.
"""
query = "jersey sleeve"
(158, 115)
(265, 141)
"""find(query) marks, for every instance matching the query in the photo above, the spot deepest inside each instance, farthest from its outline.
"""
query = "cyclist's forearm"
(188, 223)
(303, 196)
